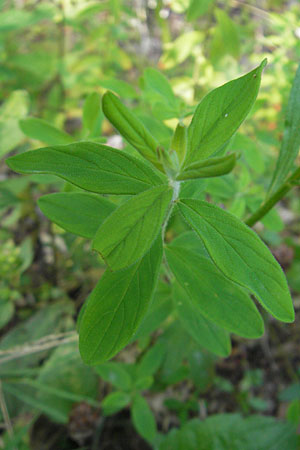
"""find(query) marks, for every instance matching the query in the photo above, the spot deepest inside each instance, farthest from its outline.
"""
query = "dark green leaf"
(202, 330)
(209, 293)
(231, 431)
(240, 254)
(78, 212)
(117, 306)
(143, 418)
(130, 127)
(207, 168)
(94, 167)
(220, 113)
(114, 373)
(114, 402)
(127, 234)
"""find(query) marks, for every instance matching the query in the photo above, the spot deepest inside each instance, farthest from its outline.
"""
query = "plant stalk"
(275, 198)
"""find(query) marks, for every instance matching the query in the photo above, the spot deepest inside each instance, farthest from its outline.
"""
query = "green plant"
(213, 269)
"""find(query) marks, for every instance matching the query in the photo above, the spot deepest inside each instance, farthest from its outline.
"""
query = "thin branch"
(42, 344)
(5, 414)
(275, 198)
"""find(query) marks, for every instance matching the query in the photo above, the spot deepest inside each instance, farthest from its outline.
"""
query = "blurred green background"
(56, 60)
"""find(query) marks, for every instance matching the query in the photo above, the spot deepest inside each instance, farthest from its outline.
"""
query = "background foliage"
(164, 391)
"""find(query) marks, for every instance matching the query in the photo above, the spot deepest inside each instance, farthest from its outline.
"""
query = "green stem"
(275, 198)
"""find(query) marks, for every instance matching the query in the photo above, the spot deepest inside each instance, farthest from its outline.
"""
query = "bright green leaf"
(80, 213)
(220, 113)
(226, 37)
(120, 87)
(240, 254)
(93, 167)
(156, 82)
(45, 132)
(92, 114)
(197, 8)
(127, 234)
(117, 306)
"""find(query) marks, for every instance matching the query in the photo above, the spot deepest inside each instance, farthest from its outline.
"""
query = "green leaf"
(231, 431)
(291, 137)
(202, 330)
(77, 212)
(180, 49)
(45, 132)
(209, 293)
(179, 142)
(7, 309)
(207, 168)
(13, 109)
(130, 127)
(114, 373)
(240, 254)
(35, 403)
(151, 361)
(220, 113)
(117, 306)
(92, 114)
(157, 313)
(156, 82)
(143, 419)
(114, 402)
(127, 234)
(120, 87)
(93, 167)
(226, 38)
(197, 8)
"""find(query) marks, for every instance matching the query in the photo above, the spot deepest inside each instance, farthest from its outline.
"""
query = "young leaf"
(213, 295)
(179, 142)
(220, 113)
(203, 331)
(212, 167)
(127, 234)
(130, 127)
(143, 419)
(77, 212)
(291, 136)
(43, 131)
(117, 306)
(93, 167)
(240, 254)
